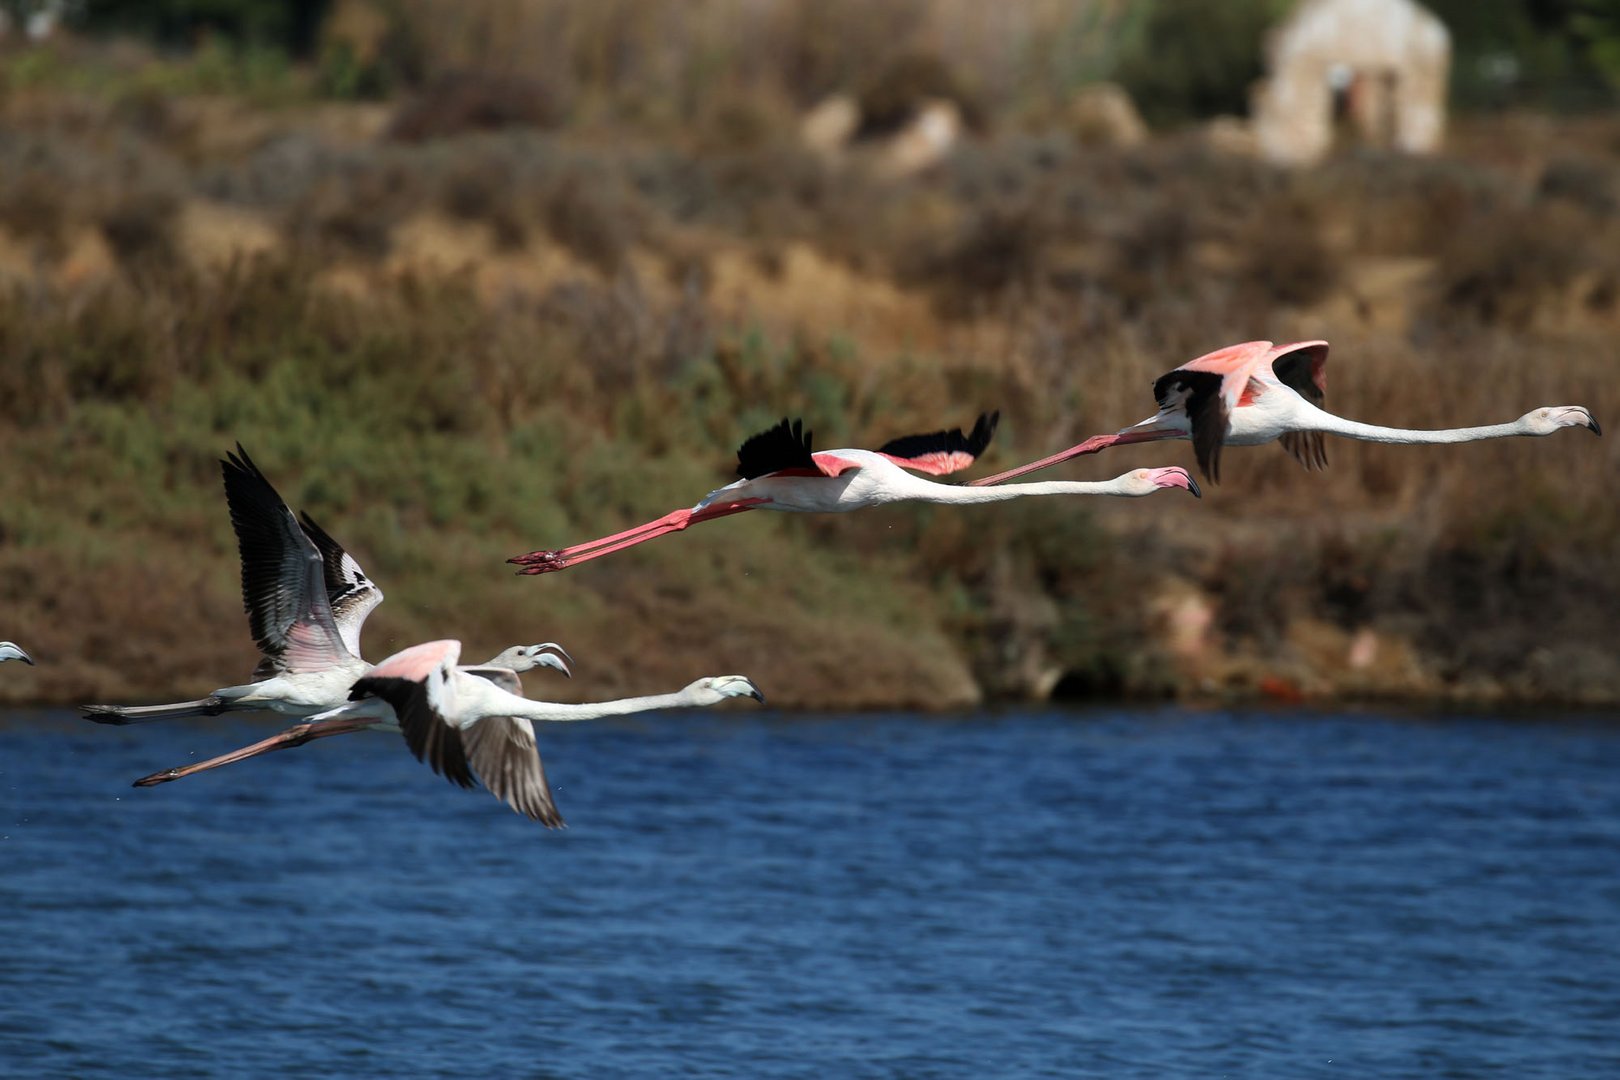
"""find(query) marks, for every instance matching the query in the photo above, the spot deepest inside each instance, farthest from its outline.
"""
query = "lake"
(1137, 893)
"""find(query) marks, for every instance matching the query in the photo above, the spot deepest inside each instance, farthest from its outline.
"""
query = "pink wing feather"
(1235, 364)
(418, 662)
(827, 463)
(939, 463)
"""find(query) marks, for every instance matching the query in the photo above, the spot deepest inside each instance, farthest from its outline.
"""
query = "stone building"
(1366, 71)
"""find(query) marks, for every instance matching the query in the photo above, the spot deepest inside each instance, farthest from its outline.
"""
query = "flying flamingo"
(306, 600)
(466, 720)
(8, 651)
(1252, 393)
(780, 472)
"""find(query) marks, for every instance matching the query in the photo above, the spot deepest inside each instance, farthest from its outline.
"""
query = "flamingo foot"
(539, 562)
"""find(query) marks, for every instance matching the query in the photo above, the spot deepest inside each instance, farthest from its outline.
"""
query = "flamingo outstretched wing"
(1205, 391)
(283, 577)
(416, 682)
(940, 453)
(350, 593)
(1302, 367)
(503, 753)
(782, 450)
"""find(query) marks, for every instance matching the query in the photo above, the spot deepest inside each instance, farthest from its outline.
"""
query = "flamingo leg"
(297, 735)
(1090, 446)
(674, 519)
(544, 562)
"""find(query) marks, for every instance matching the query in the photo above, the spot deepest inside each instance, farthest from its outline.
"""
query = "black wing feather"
(337, 584)
(785, 446)
(1297, 371)
(429, 737)
(1199, 393)
(275, 552)
(945, 442)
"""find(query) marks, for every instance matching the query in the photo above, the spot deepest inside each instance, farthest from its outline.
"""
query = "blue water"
(1153, 893)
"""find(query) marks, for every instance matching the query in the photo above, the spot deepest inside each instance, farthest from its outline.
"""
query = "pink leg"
(544, 562)
(1090, 446)
(297, 735)
(674, 519)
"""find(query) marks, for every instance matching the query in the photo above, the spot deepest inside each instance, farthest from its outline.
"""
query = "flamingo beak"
(1592, 425)
(555, 656)
(758, 695)
(1176, 476)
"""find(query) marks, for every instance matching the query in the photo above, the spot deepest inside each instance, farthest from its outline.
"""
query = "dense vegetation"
(457, 347)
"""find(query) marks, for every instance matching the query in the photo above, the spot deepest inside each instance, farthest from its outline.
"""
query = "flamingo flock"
(307, 598)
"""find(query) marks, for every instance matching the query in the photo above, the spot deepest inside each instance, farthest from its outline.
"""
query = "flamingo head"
(716, 688)
(1140, 482)
(1549, 418)
(8, 651)
(521, 658)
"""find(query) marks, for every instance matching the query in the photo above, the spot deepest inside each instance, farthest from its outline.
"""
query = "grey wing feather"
(503, 754)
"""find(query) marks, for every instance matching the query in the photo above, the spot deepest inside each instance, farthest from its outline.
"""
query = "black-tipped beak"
(758, 695)
(1192, 486)
(1592, 425)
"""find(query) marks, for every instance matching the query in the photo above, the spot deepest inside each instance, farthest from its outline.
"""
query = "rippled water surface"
(1034, 894)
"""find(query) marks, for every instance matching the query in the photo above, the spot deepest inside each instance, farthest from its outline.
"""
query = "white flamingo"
(780, 472)
(1252, 393)
(306, 600)
(464, 721)
(8, 651)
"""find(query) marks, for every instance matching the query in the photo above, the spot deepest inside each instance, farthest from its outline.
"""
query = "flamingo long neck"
(968, 494)
(1320, 420)
(556, 712)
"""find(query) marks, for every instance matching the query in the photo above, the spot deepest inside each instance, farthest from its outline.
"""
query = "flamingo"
(306, 600)
(1248, 394)
(780, 472)
(8, 651)
(466, 720)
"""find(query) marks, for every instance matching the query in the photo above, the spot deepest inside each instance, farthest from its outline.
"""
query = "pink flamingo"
(780, 472)
(1252, 393)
